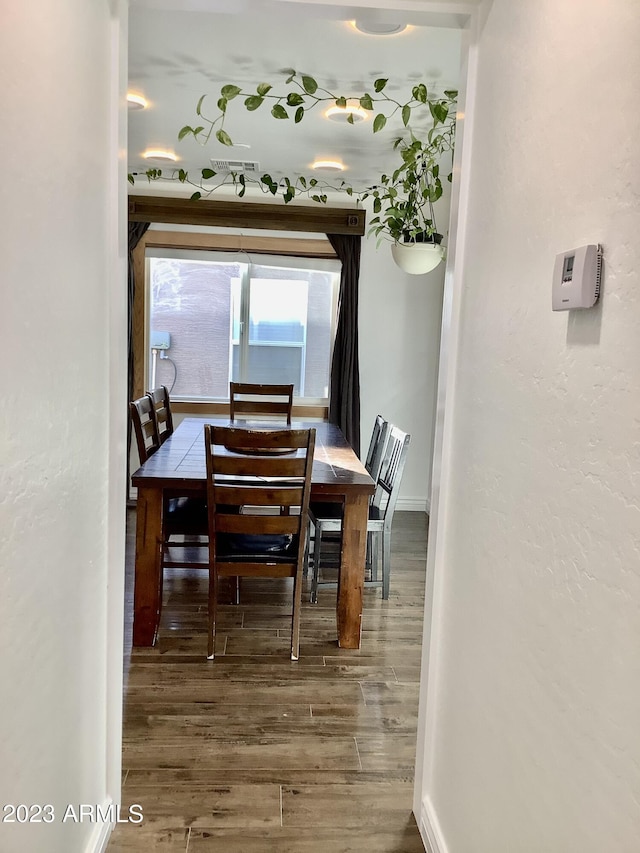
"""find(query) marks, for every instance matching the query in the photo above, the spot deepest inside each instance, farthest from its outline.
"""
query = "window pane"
(192, 302)
(290, 325)
(212, 320)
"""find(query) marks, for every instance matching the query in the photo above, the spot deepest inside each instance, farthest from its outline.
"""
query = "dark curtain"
(136, 231)
(344, 397)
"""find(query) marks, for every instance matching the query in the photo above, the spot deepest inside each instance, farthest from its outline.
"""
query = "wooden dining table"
(179, 466)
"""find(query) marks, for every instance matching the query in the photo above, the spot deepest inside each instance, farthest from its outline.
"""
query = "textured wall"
(57, 318)
(536, 739)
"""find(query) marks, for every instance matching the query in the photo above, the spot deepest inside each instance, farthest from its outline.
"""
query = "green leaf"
(185, 131)
(350, 118)
(309, 84)
(230, 91)
(197, 130)
(420, 93)
(303, 182)
(278, 111)
(196, 196)
(223, 137)
(379, 122)
(291, 72)
(222, 105)
(406, 114)
(451, 93)
(182, 176)
(299, 115)
(341, 102)
(207, 173)
(131, 179)
(253, 102)
(294, 99)
(380, 83)
(315, 198)
(377, 205)
(439, 111)
(365, 102)
(243, 186)
(263, 88)
(199, 104)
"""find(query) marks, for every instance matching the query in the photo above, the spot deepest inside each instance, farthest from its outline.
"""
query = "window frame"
(216, 242)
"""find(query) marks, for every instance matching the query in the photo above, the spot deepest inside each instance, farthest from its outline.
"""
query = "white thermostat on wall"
(576, 278)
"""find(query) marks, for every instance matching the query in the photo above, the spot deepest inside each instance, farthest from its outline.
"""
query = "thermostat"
(576, 278)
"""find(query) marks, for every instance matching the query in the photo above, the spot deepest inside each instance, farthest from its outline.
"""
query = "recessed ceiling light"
(342, 113)
(136, 102)
(373, 28)
(328, 165)
(160, 156)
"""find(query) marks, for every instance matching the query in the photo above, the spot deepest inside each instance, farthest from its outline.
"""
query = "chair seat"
(243, 546)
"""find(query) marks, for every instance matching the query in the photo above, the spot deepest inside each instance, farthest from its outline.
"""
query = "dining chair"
(162, 408)
(373, 461)
(381, 511)
(258, 472)
(377, 444)
(182, 516)
(145, 427)
(249, 398)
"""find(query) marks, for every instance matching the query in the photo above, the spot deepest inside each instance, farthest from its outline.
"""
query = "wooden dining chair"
(145, 427)
(258, 472)
(251, 399)
(162, 409)
(183, 516)
(380, 518)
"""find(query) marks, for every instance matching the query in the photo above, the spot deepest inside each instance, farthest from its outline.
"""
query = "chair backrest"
(162, 408)
(248, 398)
(258, 472)
(377, 445)
(390, 476)
(145, 427)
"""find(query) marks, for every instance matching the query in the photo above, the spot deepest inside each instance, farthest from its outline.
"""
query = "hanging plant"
(403, 201)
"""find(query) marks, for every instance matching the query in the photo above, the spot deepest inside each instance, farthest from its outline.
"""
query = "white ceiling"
(177, 56)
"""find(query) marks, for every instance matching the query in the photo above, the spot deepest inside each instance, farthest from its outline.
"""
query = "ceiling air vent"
(235, 165)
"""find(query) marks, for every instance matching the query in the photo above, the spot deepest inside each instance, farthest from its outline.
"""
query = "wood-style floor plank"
(252, 753)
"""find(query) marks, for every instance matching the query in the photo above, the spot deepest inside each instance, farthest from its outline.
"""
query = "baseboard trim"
(99, 838)
(413, 505)
(430, 830)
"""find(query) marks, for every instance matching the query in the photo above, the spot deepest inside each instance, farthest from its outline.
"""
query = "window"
(213, 318)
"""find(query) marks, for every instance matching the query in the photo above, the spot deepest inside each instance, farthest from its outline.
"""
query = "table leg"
(351, 576)
(147, 597)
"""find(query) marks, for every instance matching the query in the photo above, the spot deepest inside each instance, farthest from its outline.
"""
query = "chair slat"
(260, 525)
(261, 466)
(258, 496)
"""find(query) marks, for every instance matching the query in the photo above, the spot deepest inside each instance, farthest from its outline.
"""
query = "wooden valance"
(245, 214)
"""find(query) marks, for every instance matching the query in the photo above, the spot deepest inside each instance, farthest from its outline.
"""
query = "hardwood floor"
(252, 753)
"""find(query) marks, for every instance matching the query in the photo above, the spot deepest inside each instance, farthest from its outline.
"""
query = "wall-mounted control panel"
(576, 278)
(160, 340)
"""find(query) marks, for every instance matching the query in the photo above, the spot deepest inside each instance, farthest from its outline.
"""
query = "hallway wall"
(62, 420)
(534, 697)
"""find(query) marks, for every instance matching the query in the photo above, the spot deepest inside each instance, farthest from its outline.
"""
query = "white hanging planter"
(417, 258)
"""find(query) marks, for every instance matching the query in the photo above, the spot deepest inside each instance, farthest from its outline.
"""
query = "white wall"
(399, 330)
(62, 477)
(533, 700)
